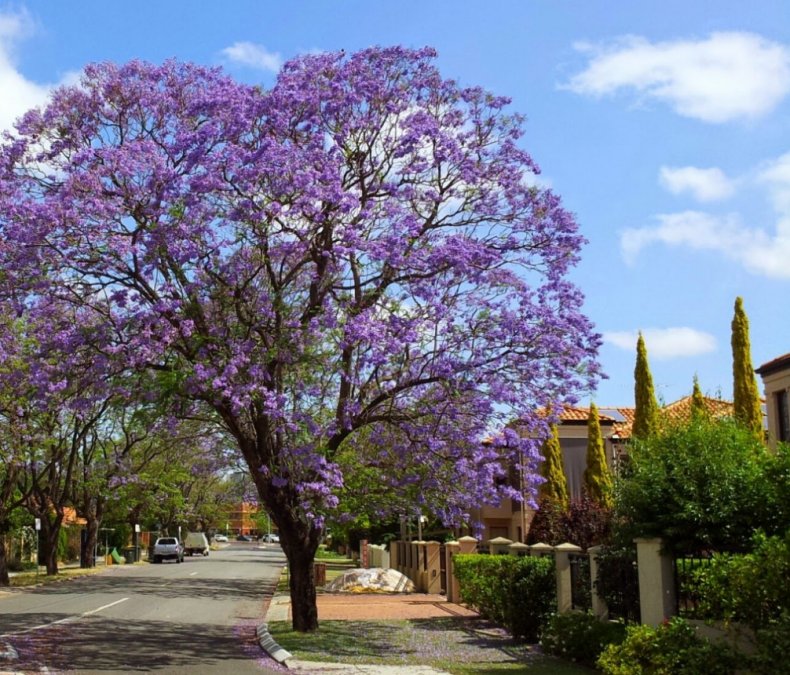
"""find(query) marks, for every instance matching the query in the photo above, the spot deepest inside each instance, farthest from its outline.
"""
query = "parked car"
(196, 544)
(271, 538)
(220, 538)
(168, 548)
(243, 537)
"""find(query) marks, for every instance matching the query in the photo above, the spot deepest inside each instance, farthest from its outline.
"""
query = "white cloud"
(665, 343)
(728, 76)
(18, 93)
(753, 248)
(255, 56)
(705, 185)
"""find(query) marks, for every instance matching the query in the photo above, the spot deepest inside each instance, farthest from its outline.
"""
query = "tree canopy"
(358, 255)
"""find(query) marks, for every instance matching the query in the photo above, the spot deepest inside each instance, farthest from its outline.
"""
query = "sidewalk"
(368, 607)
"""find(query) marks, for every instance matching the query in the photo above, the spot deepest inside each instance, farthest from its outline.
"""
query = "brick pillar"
(518, 549)
(564, 587)
(656, 582)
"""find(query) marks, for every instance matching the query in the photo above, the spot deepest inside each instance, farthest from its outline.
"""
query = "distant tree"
(555, 488)
(698, 406)
(597, 479)
(646, 413)
(746, 396)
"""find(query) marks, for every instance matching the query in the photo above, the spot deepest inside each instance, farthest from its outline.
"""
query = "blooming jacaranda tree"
(360, 255)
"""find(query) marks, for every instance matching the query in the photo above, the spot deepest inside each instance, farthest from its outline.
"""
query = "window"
(783, 416)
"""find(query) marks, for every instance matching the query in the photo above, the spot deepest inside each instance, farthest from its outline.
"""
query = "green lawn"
(458, 646)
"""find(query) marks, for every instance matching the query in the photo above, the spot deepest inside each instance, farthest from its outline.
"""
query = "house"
(241, 519)
(776, 384)
(509, 521)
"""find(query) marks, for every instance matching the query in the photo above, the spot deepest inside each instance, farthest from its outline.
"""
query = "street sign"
(38, 524)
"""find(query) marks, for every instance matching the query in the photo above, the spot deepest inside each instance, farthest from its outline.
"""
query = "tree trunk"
(49, 544)
(302, 586)
(4, 578)
(91, 539)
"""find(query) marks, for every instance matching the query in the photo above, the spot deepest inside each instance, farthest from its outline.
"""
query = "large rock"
(374, 580)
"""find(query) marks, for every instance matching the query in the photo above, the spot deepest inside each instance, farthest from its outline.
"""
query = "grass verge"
(32, 579)
(458, 646)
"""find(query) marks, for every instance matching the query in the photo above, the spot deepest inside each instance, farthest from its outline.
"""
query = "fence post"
(464, 545)
(599, 608)
(564, 585)
(656, 581)
(540, 549)
(499, 545)
(518, 549)
(451, 548)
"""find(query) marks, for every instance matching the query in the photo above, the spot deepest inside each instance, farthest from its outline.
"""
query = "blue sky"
(664, 126)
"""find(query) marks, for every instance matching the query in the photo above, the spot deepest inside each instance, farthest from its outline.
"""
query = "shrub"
(671, 649)
(773, 647)
(515, 592)
(585, 523)
(704, 485)
(580, 637)
(748, 588)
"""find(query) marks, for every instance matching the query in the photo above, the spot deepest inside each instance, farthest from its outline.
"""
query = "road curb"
(268, 644)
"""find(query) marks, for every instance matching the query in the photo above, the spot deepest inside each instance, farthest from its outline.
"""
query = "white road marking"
(68, 619)
(192, 574)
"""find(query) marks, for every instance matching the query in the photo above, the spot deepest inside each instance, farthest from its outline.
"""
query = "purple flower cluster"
(355, 260)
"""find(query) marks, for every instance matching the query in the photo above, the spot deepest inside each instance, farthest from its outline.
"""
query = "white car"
(271, 538)
(220, 538)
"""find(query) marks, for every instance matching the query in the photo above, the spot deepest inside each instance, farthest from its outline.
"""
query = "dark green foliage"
(580, 637)
(671, 649)
(705, 485)
(746, 396)
(555, 488)
(519, 593)
(585, 523)
(752, 588)
(773, 647)
(646, 406)
(597, 479)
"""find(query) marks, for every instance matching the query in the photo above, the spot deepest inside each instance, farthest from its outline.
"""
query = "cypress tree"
(746, 397)
(555, 489)
(698, 407)
(597, 480)
(646, 406)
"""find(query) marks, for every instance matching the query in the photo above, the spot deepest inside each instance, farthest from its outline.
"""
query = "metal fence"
(581, 587)
(687, 569)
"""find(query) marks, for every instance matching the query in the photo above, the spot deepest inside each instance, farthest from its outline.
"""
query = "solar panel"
(612, 413)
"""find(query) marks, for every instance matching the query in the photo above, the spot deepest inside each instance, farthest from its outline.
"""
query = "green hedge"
(518, 593)
(671, 649)
(580, 637)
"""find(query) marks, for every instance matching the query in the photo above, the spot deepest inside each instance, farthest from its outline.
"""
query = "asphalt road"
(195, 617)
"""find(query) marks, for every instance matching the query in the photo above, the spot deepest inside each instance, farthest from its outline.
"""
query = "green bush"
(705, 485)
(671, 649)
(749, 588)
(518, 593)
(773, 647)
(580, 637)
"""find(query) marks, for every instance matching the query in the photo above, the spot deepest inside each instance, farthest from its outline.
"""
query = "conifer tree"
(746, 397)
(646, 406)
(555, 489)
(597, 479)
(698, 407)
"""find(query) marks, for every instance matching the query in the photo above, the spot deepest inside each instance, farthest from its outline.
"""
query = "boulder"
(373, 580)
